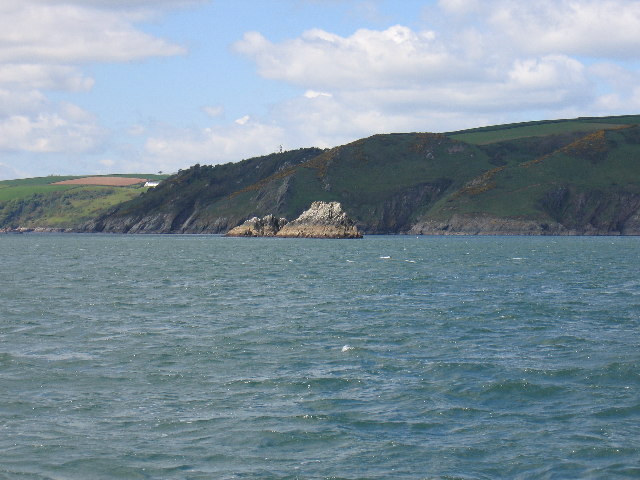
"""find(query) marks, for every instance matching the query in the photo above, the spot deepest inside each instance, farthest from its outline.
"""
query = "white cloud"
(34, 32)
(593, 28)
(243, 120)
(43, 47)
(178, 149)
(314, 94)
(471, 63)
(481, 62)
(619, 101)
(401, 71)
(69, 129)
(12, 102)
(551, 71)
(22, 76)
(323, 61)
(400, 79)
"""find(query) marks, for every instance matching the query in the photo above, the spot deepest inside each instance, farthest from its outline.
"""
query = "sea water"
(198, 357)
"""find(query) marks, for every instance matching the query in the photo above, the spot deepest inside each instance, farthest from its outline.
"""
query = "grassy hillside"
(500, 133)
(579, 176)
(39, 203)
(203, 198)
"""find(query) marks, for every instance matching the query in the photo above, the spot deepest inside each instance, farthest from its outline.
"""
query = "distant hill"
(64, 202)
(573, 176)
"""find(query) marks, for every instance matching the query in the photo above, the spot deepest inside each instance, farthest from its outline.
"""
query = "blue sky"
(141, 86)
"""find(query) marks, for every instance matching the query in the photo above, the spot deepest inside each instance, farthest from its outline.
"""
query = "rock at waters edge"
(321, 220)
(258, 227)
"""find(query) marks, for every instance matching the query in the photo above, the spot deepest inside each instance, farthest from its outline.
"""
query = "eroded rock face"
(321, 220)
(258, 227)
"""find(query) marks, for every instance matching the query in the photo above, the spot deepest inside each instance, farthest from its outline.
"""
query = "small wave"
(346, 348)
(619, 412)
(57, 357)
(522, 388)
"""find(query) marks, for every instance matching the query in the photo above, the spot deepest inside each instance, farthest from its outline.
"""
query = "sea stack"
(258, 227)
(321, 220)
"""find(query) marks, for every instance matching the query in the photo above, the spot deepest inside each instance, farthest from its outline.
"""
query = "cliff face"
(321, 220)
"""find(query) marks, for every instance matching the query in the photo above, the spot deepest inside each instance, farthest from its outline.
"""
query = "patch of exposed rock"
(267, 226)
(35, 230)
(490, 225)
(321, 220)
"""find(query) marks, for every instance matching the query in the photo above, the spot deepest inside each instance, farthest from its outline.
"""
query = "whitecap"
(385, 257)
(346, 348)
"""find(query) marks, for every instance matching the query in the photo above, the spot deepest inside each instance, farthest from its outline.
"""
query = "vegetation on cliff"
(579, 176)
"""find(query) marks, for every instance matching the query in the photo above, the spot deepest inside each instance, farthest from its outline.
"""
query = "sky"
(147, 86)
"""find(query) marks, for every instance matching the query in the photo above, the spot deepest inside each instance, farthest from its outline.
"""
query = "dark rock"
(258, 227)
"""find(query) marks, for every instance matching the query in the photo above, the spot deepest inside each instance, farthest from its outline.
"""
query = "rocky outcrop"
(491, 225)
(485, 225)
(35, 230)
(321, 220)
(267, 226)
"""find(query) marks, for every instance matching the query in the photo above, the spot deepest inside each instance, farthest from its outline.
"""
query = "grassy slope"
(212, 191)
(515, 174)
(499, 133)
(35, 202)
(383, 181)
(596, 167)
(494, 136)
(569, 171)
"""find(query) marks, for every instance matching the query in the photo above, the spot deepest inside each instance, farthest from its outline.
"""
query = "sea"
(390, 357)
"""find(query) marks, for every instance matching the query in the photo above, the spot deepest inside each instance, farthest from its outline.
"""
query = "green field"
(36, 202)
(513, 131)
(495, 136)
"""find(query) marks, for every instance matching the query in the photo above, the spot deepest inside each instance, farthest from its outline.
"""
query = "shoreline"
(59, 230)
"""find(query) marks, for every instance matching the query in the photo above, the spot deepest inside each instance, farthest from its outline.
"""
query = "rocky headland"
(321, 220)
